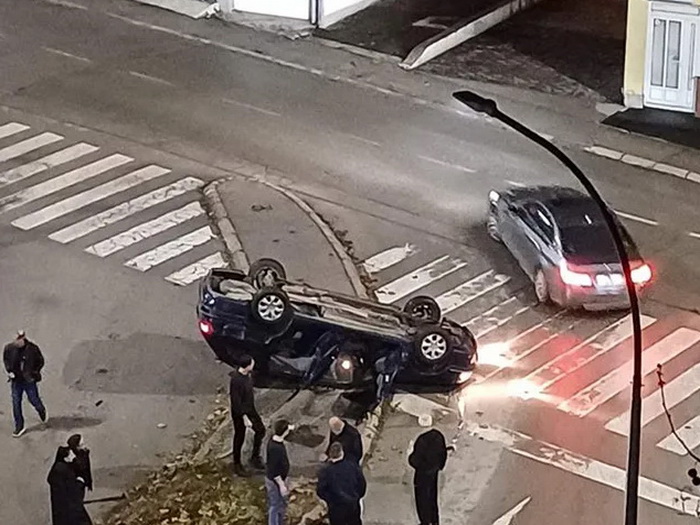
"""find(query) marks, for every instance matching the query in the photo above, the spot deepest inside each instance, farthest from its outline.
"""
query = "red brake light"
(574, 278)
(641, 275)
(206, 327)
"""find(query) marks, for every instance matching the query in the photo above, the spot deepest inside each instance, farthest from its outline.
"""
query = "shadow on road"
(144, 363)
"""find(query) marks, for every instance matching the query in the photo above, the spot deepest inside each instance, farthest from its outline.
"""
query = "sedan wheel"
(433, 346)
(541, 287)
(492, 228)
(271, 308)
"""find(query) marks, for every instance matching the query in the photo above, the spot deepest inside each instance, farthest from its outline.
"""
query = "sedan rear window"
(593, 244)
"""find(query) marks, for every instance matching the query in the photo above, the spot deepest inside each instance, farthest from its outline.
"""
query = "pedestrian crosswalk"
(76, 185)
(579, 364)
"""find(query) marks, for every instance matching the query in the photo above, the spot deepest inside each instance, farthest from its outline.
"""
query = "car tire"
(423, 309)
(542, 287)
(271, 307)
(432, 345)
(266, 273)
(492, 226)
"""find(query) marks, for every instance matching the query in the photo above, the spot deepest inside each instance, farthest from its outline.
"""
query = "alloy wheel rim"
(540, 286)
(433, 346)
(491, 227)
(267, 277)
(271, 308)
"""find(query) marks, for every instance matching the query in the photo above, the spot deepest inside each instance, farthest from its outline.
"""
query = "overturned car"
(302, 336)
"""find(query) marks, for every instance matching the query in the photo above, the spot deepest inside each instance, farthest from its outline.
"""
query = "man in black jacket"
(344, 433)
(243, 404)
(341, 484)
(81, 463)
(428, 458)
(23, 362)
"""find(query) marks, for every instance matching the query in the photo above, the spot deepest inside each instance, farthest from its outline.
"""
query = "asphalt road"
(423, 169)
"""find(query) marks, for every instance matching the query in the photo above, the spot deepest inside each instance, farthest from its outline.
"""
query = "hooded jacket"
(429, 454)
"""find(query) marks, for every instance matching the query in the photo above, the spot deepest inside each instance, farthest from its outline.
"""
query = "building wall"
(635, 52)
(298, 9)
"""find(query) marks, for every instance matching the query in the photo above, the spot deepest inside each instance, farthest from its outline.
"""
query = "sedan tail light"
(573, 278)
(206, 327)
(641, 274)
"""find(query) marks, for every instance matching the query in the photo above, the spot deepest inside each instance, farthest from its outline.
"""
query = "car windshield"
(593, 244)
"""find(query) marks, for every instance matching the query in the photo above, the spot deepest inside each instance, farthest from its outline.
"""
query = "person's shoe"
(240, 470)
(44, 418)
(18, 433)
(257, 463)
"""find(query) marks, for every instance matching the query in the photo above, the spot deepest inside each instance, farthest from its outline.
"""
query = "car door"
(539, 239)
(509, 227)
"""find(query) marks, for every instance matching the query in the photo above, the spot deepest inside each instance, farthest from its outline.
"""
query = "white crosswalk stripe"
(50, 161)
(24, 147)
(90, 196)
(12, 128)
(170, 250)
(470, 290)
(197, 270)
(586, 401)
(689, 433)
(85, 171)
(61, 182)
(146, 230)
(406, 285)
(387, 258)
(125, 209)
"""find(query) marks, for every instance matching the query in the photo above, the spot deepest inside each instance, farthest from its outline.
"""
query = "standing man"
(276, 473)
(428, 458)
(23, 362)
(341, 484)
(81, 463)
(243, 404)
(344, 433)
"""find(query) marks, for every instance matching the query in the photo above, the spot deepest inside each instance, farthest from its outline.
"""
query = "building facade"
(318, 12)
(662, 55)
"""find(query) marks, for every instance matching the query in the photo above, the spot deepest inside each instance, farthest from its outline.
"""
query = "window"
(540, 222)
(658, 50)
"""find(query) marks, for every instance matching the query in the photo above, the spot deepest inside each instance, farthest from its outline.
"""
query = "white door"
(670, 61)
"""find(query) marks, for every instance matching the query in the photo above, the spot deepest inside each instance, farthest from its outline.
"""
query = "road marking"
(254, 108)
(514, 183)
(145, 230)
(676, 391)
(585, 467)
(170, 250)
(65, 54)
(66, 3)
(508, 517)
(693, 234)
(689, 433)
(383, 260)
(604, 152)
(71, 204)
(409, 283)
(45, 163)
(61, 182)
(470, 290)
(25, 146)
(125, 209)
(636, 218)
(197, 270)
(150, 78)
(590, 398)
(596, 345)
(362, 139)
(12, 128)
(495, 317)
(446, 164)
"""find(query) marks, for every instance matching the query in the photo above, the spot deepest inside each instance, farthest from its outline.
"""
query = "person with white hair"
(343, 432)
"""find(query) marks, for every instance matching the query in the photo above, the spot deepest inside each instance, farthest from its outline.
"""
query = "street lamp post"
(489, 107)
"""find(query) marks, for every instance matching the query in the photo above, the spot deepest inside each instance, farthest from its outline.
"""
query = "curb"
(642, 162)
(239, 259)
(346, 261)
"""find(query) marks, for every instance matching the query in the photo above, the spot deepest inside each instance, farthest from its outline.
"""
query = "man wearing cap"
(23, 362)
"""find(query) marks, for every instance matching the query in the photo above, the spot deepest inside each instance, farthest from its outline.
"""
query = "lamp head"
(477, 102)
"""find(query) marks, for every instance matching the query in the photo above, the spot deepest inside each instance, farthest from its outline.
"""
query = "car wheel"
(423, 309)
(432, 345)
(270, 306)
(542, 287)
(266, 272)
(492, 227)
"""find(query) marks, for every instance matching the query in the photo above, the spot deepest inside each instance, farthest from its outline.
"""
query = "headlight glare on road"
(495, 354)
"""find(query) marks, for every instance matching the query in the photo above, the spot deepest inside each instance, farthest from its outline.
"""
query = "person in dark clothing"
(428, 458)
(341, 484)
(67, 506)
(81, 463)
(23, 362)
(243, 405)
(344, 433)
(276, 473)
